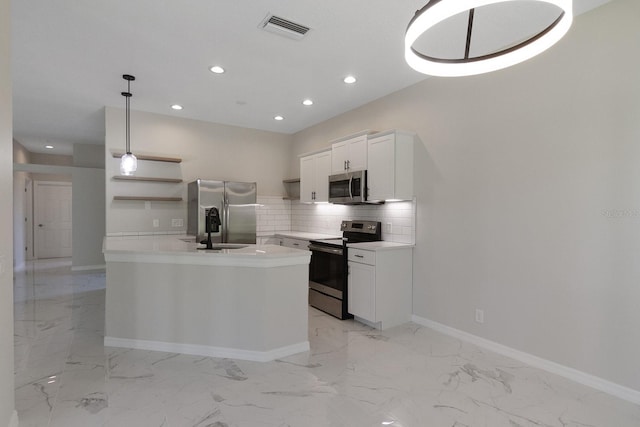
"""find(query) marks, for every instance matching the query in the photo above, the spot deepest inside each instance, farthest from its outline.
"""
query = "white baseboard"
(210, 351)
(589, 380)
(14, 419)
(89, 267)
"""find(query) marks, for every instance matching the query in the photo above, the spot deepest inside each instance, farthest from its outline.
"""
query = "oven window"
(327, 269)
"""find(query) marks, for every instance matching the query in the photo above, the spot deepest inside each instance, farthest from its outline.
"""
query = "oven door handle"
(333, 251)
(350, 184)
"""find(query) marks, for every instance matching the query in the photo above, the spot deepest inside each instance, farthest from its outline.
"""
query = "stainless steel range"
(328, 268)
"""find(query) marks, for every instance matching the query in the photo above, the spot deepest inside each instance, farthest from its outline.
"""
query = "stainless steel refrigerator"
(236, 204)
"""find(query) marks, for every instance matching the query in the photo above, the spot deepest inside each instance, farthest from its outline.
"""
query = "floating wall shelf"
(152, 158)
(146, 178)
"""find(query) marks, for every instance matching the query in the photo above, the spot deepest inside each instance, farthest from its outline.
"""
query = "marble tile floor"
(353, 375)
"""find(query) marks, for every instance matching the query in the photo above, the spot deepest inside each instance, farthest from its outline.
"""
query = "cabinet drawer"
(295, 243)
(362, 256)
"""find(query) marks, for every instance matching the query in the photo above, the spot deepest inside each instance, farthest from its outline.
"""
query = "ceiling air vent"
(275, 24)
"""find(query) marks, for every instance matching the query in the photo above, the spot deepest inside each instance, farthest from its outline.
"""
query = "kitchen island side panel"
(243, 308)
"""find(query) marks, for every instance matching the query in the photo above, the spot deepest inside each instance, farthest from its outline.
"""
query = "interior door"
(52, 228)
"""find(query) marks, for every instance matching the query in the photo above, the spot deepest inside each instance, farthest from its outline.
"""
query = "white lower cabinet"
(268, 240)
(362, 291)
(290, 242)
(380, 286)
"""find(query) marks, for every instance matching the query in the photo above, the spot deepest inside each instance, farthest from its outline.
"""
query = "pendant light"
(436, 11)
(128, 162)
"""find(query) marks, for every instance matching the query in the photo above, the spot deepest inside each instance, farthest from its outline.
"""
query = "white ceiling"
(68, 58)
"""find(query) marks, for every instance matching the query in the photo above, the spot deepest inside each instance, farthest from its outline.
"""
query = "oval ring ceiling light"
(437, 11)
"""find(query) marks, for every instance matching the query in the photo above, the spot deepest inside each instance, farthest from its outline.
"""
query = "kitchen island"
(165, 294)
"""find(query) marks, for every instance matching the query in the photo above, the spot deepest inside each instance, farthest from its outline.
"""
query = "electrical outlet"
(156, 223)
(177, 222)
(479, 316)
(388, 228)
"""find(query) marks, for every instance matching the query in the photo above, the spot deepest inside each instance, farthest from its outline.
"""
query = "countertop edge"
(221, 260)
(306, 235)
(381, 246)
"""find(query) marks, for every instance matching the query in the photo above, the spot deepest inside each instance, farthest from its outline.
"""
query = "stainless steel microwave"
(348, 188)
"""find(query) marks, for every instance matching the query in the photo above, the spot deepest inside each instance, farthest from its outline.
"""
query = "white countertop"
(379, 246)
(183, 249)
(307, 236)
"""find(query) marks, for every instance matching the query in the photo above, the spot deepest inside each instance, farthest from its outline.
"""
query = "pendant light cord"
(128, 96)
(128, 116)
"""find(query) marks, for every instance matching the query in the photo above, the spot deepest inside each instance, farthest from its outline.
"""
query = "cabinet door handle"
(296, 244)
(344, 165)
(358, 256)
(348, 164)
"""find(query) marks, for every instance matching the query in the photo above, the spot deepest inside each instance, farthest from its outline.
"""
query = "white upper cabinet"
(314, 177)
(349, 154)
(390, 166)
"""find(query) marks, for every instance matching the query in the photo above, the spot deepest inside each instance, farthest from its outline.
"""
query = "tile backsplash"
(275, 214)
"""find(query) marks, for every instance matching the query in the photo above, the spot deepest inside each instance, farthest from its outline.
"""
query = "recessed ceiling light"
(176, 107)
(217, 69)
(48, 147)
(279, 118)
(349, 79)
(307, 102)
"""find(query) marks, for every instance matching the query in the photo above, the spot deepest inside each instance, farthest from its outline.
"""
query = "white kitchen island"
(164, 294)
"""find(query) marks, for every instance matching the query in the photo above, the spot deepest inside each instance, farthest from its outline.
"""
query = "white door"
(357, 149)
(52, 227)
(362, 291)
(339, 157)
(307, 178)
(322, 171)
(381, 172)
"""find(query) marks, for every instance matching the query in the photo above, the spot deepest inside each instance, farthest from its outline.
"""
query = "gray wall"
(208, 150)
(51, 160)
(529, 196)
(88, 206)
(7, 402)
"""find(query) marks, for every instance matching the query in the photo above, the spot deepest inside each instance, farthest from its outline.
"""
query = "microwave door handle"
(350, 183)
